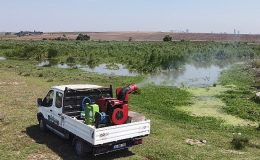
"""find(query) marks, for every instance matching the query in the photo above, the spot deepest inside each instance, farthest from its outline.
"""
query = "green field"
(176, 113)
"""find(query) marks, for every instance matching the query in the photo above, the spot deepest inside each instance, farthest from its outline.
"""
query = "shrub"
(49, 80)
(61, 39)
(70, 60)
(83, 37)
(52, 53)
(239, 141)
(258, 128)
(167, 38)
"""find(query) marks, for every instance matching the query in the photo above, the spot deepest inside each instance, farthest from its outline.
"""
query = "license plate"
(118, 146)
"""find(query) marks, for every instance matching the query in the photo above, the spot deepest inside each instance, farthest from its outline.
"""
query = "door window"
(58, 101)
(48, 100)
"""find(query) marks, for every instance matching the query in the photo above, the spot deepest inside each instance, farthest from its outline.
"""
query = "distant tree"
(130, 39)
(167, 38)
(83, 37)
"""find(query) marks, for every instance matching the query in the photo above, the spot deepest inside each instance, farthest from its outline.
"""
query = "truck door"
(47, 104)
(57, 117)
(53, 112)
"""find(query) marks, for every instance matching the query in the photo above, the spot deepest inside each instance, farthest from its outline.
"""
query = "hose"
(123, 93)
(83, 102)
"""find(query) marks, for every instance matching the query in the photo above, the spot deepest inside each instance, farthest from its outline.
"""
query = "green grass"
(20, 138)
(240, 100)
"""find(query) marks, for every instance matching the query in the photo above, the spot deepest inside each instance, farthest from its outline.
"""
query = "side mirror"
(39, 102)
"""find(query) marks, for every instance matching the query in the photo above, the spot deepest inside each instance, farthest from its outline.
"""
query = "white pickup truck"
(60, 112)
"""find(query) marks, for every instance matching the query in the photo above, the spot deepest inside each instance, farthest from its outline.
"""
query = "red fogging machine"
(116, 109)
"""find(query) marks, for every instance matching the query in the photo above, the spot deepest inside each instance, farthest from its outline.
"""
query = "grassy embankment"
(22, 82)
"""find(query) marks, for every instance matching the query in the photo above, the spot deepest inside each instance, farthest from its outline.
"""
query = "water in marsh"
(63, 66)
(179, 73)
(119, 70)
(106, 69)
(48, 63)
(45, 63)
(187, 75)
(2, 58)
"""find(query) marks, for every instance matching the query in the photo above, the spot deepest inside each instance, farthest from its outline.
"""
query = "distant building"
(7, 33)
(28, 33)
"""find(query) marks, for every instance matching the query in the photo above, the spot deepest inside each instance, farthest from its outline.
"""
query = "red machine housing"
(117, 109)
(102, 103)
(122, 93)
(120, 115)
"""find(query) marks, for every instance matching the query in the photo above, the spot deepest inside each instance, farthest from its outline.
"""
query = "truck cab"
(51, 109)
(60, 112)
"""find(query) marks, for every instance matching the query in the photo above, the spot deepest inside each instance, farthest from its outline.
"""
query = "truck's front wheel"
(42, 125)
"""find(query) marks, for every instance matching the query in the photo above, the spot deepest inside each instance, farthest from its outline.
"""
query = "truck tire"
(81, 148)
(42, 125)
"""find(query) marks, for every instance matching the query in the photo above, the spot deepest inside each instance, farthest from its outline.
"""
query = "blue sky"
(131, 15)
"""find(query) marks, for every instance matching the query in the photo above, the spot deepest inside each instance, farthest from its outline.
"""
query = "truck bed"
(97, 136)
